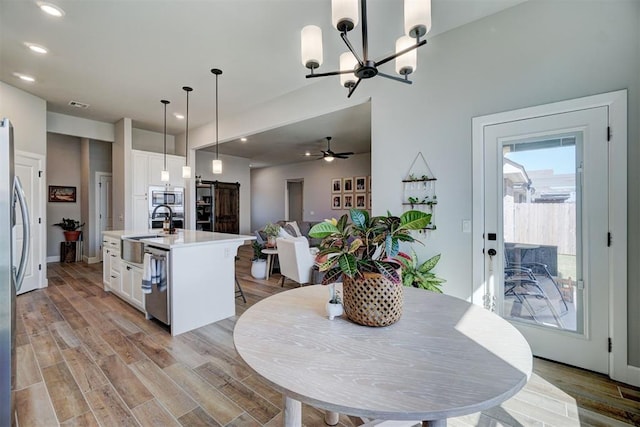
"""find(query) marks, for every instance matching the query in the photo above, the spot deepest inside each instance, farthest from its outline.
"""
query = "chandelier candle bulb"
(417, 17)
(407, 62)
(311, 46)
(344, 14)
(348, 62)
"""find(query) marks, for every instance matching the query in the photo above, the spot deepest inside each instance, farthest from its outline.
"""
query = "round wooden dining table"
(444, 358)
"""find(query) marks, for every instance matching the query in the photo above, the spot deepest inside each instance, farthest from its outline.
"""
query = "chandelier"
(354, 67)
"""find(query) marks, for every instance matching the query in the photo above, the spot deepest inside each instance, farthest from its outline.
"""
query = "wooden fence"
(541, 224)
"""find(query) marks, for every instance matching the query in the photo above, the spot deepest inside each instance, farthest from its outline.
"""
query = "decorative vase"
(334, 309)
(259, 268)
(271, 241)
(372, 299)
(72, 236)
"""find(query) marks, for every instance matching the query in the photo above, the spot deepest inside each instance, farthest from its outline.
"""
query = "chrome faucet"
(153, 215)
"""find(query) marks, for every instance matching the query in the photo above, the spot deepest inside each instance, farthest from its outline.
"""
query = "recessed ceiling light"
(307, 153)
(243, 139)
(24, 77)
(178, 116)
(50, 9)
(37, 48)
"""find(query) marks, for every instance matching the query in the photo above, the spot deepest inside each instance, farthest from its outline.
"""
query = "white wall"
(152, 141)
(76, 126)
(234, 169)
(63, 161)
(268, 188)
(28, 114)
(534, 53)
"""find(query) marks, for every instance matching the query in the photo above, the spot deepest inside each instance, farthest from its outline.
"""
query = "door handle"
(26, 231)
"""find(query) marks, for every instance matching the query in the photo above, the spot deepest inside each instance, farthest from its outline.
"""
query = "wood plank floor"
(85, 358)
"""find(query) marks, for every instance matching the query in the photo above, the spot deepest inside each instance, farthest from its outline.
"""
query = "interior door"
(27, 168)
(227, 207)
(295, 197)
(105, 220)
(546, 207)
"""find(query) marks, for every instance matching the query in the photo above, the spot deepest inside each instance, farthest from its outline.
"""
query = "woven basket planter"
(372, 300)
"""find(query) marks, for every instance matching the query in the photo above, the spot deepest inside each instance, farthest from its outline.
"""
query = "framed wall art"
(58, 193)
(361, 201)
(336, 185)
(361, 184)
(347, 185)
(347, 201)
(336, 202)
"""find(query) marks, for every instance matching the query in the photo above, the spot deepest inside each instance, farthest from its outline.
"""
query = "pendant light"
(164, 175)
(216, 165)
(186, 169)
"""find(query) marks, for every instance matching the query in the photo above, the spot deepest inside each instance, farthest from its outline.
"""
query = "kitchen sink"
(132, 248)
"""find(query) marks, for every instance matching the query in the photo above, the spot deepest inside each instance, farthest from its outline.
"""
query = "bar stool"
(239, 292)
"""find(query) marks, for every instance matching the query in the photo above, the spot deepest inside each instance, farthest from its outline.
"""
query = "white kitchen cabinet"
(111, 263)
(146, 170)
(140, 207)
(131, 285)
(140, 166)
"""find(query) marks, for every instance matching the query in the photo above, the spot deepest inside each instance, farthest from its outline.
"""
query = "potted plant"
(71, 229)
(362, 252)
(271, 230)
(420, 275)
(258, 262)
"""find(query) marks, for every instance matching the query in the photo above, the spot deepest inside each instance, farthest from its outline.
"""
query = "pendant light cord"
(165, 102)
(186, 133)
(216, 116)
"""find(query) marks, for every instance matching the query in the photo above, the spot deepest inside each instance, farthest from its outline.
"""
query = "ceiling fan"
(329, 155)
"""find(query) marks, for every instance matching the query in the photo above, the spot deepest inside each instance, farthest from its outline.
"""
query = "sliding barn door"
(227, 207)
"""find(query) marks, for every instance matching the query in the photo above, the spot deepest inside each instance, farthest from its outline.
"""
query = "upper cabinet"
(146, 169)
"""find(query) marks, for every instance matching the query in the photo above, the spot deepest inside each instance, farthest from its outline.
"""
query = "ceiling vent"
(78, 104)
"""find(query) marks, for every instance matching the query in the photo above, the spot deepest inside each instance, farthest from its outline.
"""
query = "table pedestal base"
(292, 412)
(331, 418)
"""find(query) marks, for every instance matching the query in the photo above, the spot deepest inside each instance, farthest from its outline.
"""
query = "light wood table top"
(445, 357)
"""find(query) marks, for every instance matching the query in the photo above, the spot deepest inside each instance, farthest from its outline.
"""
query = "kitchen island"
(200, 275)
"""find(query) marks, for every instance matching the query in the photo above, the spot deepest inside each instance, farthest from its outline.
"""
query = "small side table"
(270, 253)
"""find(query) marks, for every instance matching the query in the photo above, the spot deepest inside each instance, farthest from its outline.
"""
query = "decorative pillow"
(294, 226)
(290, 230)
(284, 233)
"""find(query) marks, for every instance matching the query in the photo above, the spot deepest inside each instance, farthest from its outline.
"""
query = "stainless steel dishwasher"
(157, 303)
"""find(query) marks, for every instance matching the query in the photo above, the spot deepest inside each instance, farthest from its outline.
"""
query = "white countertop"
(180, 239)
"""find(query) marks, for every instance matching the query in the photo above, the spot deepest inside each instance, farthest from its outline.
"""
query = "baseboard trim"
(53, 259)
(91, 260)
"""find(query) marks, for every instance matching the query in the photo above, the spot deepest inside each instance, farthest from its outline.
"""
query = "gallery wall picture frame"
(361, 184)
(336, 202)
(347, 185)
(336, 186)
(369, 200)
(62, 194)
(347, 201)
(361, 201)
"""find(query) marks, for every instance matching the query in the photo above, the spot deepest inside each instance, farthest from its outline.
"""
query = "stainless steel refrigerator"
(12, 268)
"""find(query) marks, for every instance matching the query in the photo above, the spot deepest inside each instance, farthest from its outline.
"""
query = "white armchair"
(296, 260)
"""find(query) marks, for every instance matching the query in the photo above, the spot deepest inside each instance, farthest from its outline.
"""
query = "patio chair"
(534, 271)
(523, 288)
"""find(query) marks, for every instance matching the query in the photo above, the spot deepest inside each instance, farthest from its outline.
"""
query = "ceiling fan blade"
(346, 153)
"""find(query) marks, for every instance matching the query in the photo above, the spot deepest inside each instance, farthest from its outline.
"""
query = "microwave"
(170, 196)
